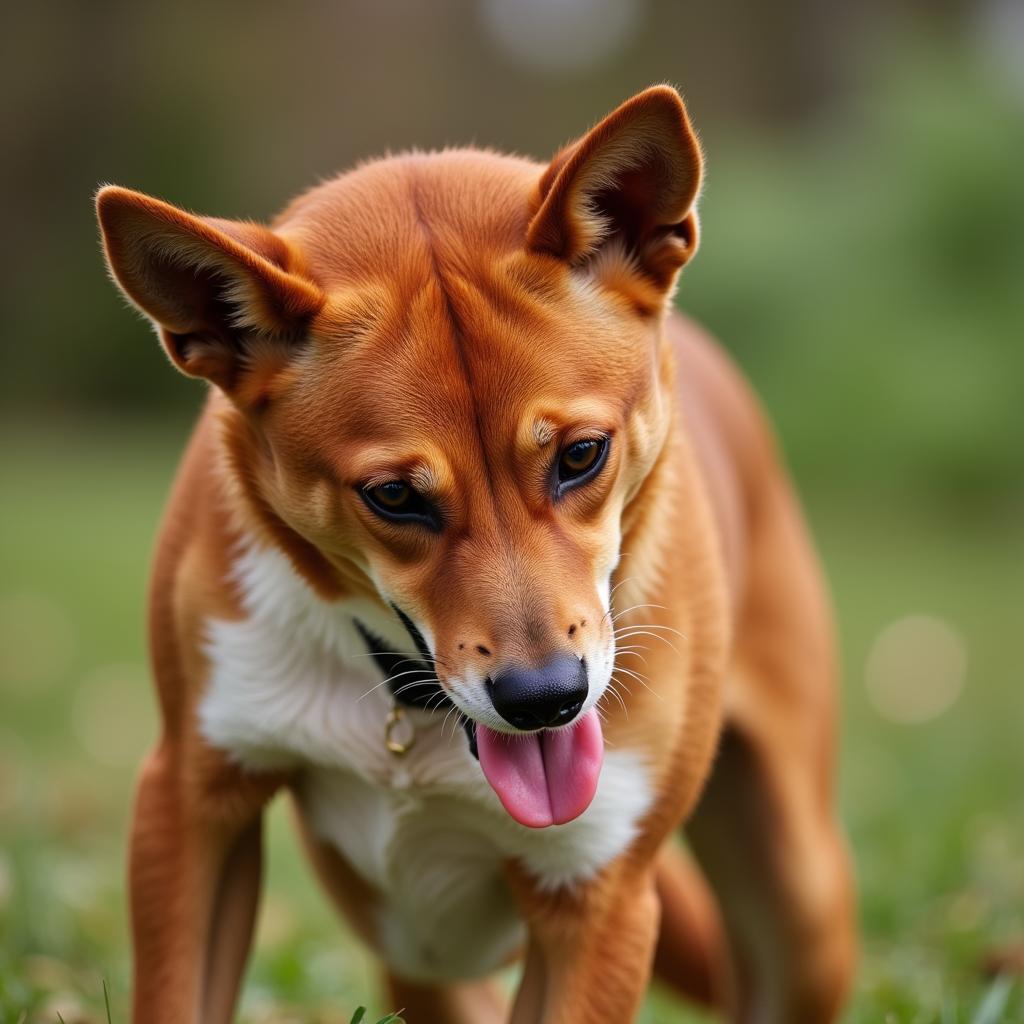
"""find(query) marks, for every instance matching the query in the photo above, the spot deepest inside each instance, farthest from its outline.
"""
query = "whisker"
(413, 657)
(412, 685)
(638, 675)
(611, 594)
(460, 717)
(637, 607)
(632, 651)
(373, 654)
(656, 636)
(652, 625)
(451, 711)
(438, 699)
(648, 629)
(391, 679)
(621, 583)
(460, 725)
(641, 682)
(610, 688)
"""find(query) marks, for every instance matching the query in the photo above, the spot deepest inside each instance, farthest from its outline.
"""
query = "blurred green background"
(863, 258)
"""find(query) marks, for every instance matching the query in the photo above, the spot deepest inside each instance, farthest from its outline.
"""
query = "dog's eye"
(581, 461)
(397, 502)
(393, 496)
(579, 457)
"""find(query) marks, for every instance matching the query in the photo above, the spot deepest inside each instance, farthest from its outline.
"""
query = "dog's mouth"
(545, 777)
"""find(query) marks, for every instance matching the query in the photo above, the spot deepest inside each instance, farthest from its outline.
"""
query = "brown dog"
(483, 554)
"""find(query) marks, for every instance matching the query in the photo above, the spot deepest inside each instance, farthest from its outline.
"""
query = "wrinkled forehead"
(440, 326)
(450, 368)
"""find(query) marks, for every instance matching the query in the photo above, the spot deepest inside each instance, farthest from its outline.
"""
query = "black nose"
(534, 698)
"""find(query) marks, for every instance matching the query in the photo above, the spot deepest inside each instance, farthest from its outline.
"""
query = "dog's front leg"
(590, 950)
(194, 877)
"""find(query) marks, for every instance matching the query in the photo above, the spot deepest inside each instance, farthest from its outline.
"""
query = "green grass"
(935, 811)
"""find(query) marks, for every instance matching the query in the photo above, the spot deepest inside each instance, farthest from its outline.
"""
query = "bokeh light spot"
(916, 669)
(561, 36)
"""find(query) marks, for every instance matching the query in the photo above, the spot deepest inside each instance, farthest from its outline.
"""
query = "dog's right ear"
(225, 296)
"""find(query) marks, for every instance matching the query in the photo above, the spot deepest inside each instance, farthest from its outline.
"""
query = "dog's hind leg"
(691, 955)
(476, 1002)
(765, 831)
(781, 874)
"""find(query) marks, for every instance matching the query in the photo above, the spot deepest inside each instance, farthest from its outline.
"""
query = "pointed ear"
(224, 295)
(633, 178)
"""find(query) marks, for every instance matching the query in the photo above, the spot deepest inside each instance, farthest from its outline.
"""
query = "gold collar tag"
(399, 732)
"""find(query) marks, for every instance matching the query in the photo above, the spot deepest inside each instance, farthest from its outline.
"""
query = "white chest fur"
(291, 687)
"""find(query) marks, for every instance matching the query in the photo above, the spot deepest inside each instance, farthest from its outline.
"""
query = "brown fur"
(513, 306)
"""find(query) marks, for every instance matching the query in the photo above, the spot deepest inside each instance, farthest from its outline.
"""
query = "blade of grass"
(990, 1010)
(106, 1001)
(358, 1015)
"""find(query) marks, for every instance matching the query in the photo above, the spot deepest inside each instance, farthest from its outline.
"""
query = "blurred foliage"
(863, 225)
(871, 280)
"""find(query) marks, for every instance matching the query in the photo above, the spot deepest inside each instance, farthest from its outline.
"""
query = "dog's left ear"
(632, 178)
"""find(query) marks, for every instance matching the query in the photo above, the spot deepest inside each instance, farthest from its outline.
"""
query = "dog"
(488, 558)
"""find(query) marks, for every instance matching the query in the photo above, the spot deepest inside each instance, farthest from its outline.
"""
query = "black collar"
(413, 683)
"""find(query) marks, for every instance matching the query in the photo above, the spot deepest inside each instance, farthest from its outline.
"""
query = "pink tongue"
(544, 778)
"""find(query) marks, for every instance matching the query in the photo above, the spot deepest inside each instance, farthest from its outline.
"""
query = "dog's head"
(446, 384)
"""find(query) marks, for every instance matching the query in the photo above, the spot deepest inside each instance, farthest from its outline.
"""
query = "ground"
(930, 777)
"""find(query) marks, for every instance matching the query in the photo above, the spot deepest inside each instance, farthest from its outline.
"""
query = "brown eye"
(398, 502)
(394, 495)
(579, 457)
(581, 462)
